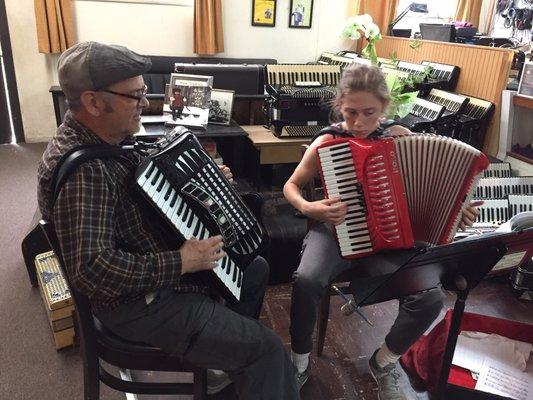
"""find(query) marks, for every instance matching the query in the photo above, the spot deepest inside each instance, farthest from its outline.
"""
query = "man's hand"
(470, 213)
(332, 210)
(227, 172)
(198, 255)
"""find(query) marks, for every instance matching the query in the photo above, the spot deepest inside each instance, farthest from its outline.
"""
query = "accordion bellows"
(399, 190)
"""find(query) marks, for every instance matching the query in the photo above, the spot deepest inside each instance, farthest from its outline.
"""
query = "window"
(439, 12)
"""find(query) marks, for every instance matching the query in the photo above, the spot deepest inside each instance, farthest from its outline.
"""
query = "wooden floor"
(342, 371)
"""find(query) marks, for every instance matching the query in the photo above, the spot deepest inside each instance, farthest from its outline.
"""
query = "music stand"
(457, 267)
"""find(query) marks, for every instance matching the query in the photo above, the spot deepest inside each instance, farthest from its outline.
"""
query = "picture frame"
(525, 88)
(221, 106)
(187, 100)
(264, 13)
(301, 14)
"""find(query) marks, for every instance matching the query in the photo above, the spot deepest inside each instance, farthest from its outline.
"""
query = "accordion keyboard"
(452, 102)
(288, 74)
(423, 112)
(417, 70)
(443, 73)
(370, 204)
(492, 213)
(492, 188)
(520, 203)
(498, 170)
(182, 217)
(341, 180)
(295, 131)
(184, 184)
(299, 92)
(477, 109)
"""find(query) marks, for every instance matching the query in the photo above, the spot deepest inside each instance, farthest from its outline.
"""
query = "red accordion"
(399, 190)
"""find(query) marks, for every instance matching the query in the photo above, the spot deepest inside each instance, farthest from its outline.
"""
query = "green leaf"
(415, 44)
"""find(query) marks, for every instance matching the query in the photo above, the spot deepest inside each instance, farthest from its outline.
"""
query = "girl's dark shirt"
(338, 132)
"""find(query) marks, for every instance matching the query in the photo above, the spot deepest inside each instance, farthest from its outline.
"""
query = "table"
(211, 131)
(273, 150)
(267, 150)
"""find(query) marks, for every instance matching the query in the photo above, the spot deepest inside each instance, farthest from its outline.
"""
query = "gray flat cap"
(94, 66)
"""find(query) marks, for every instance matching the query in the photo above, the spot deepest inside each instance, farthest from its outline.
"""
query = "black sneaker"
(387, 378)
(302, 377)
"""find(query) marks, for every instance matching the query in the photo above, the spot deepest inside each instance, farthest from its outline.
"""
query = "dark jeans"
(319, 265)
(176, 112)
(209, 334)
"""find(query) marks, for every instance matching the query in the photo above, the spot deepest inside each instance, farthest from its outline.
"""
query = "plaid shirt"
(113, 251)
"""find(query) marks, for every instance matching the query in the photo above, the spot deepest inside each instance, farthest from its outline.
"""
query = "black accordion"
(188, 189)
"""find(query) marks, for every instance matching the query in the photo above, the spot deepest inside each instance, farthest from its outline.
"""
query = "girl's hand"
(397, 130)
(227, 172)
(470, 213)
(332, 210)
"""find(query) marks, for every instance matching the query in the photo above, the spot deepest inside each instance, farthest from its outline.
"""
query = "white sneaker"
(216, 381)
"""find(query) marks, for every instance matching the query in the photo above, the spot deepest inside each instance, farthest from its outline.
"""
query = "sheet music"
(502, 380)
(473, 348)
(523, 220)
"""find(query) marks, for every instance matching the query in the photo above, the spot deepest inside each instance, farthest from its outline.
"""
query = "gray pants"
(319, 265)
(211, 335)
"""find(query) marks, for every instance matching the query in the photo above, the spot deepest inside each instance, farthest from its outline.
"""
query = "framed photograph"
(526, 81)
(300, 14)
(221, 106)
(187, 100)
(263, 12)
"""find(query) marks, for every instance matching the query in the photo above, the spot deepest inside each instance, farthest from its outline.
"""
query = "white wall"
(161, 30)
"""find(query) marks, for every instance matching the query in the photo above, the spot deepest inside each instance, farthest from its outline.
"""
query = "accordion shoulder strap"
(72, 159)
(335, 130)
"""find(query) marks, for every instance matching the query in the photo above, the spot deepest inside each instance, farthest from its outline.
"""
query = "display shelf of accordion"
(313, 191)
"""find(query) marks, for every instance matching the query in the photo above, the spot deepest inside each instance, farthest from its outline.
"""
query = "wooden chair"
(99, 344)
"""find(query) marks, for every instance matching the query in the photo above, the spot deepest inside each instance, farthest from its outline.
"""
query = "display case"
(516, 132)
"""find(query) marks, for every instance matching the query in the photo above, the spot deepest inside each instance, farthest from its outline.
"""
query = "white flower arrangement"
(363, 25)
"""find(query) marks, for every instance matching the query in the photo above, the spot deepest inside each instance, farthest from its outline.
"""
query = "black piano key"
(234, 273)
(239, 281)
(160, 186)
(197, 229)
(155, 178)
(167, 194)
(149, 171)
(180, 208)
(189, 220)
(173, 201)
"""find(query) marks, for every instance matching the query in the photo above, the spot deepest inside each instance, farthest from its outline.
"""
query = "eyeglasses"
(129, 96)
